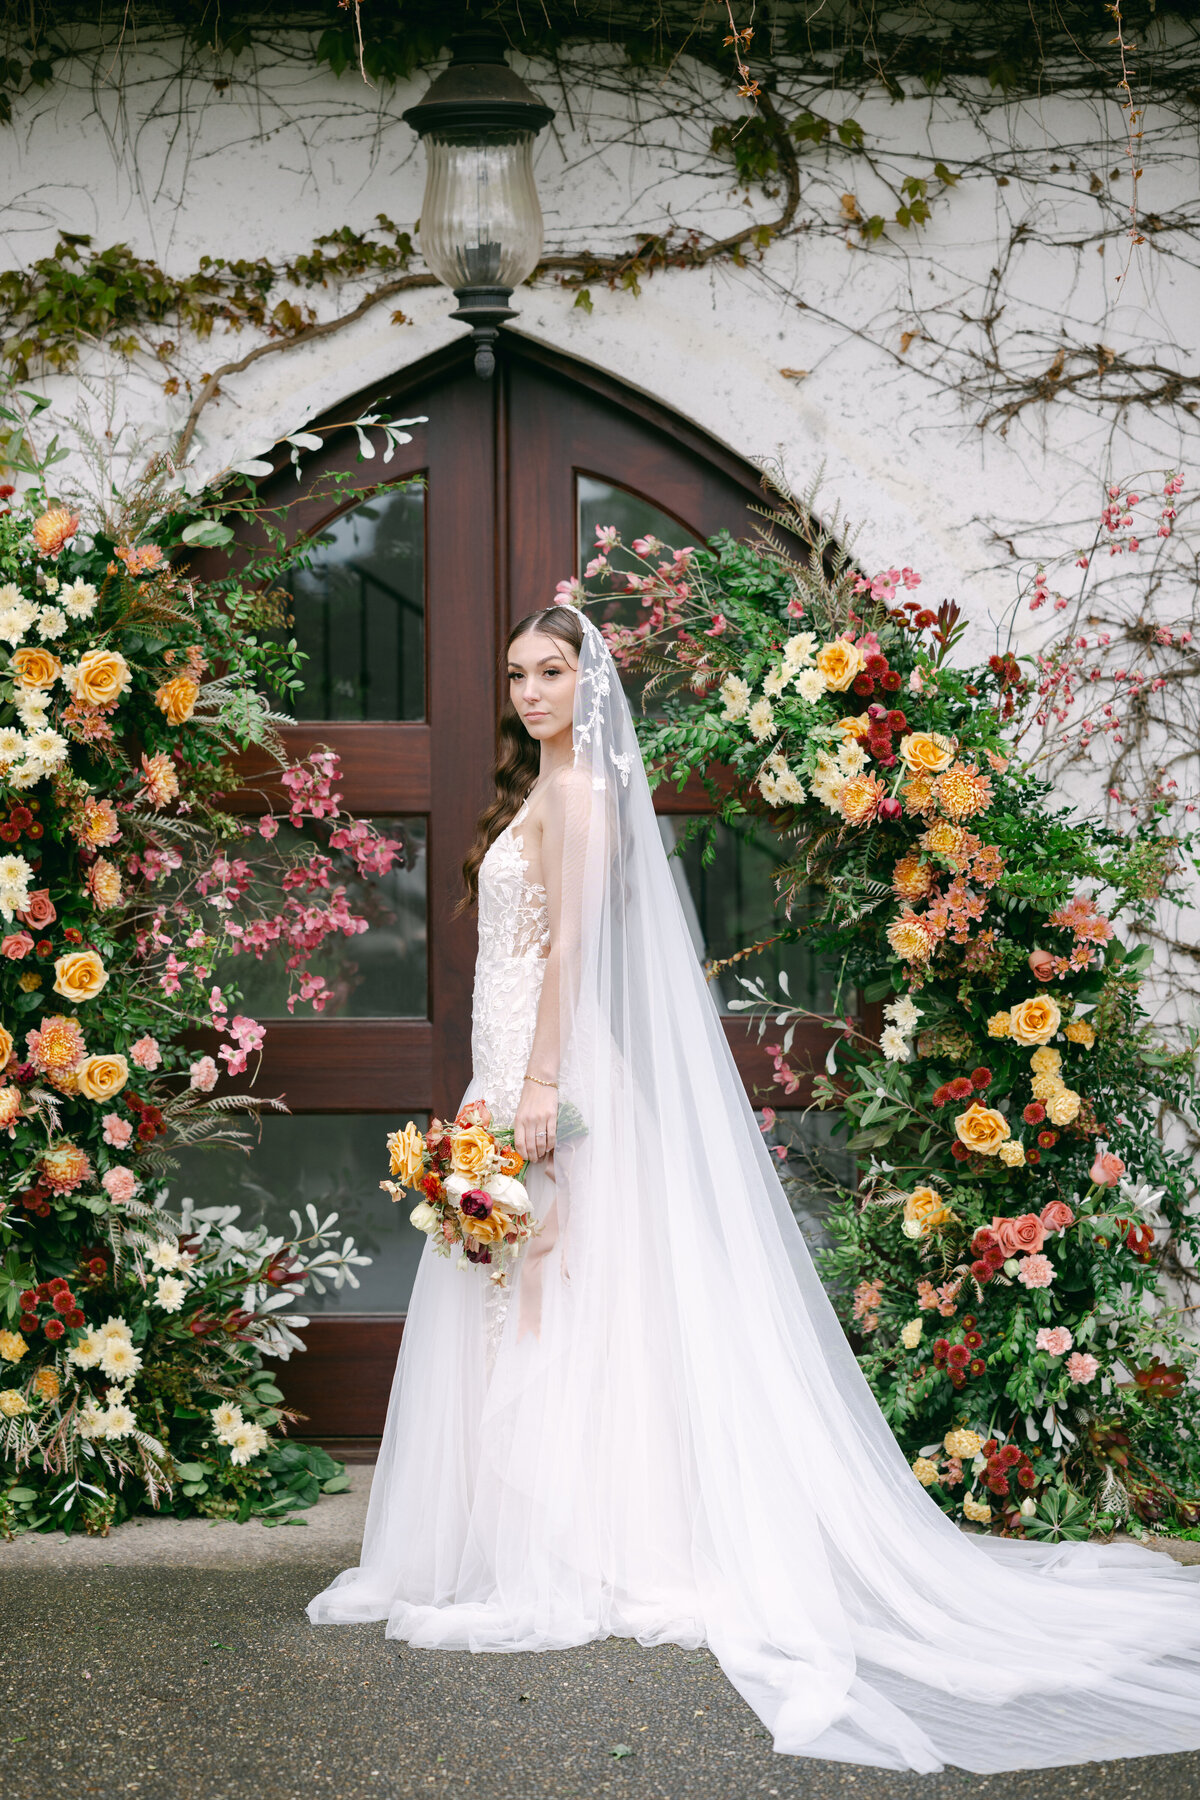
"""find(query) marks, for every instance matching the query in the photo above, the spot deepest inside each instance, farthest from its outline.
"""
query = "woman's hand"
(534, 1125)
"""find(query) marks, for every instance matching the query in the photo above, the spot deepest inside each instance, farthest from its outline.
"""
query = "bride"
(657, 1429)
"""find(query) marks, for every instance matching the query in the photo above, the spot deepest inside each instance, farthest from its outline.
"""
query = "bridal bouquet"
(468, 1177)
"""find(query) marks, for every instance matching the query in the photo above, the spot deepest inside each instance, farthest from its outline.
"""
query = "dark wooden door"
(510, 468)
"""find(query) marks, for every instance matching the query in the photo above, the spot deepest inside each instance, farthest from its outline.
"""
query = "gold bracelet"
(540, 1082)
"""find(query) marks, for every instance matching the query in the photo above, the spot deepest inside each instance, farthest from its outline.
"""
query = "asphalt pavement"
(173, 1661)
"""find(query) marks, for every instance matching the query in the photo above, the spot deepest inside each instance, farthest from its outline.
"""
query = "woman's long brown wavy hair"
(518, 755)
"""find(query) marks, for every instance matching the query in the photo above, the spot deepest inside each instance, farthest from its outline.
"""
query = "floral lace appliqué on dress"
(514, 941)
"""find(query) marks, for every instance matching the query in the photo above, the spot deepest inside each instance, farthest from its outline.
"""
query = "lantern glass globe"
(481, 223)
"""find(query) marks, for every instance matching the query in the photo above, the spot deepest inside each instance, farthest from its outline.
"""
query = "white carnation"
(894, 1044)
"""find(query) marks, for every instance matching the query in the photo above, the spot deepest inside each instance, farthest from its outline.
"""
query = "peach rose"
(79, 975)
(1020, 1236)
(54, 529)
(1034, 1021)
(16, 945)
(407, 1151)
(926, 752)
(839, 663)
(1041, 965)
(36, 667)
(982, 1129)
(473, 1152)
(1057, 1215)
(39, 910)
(177, 698)
(100, 677)
(100, 1077)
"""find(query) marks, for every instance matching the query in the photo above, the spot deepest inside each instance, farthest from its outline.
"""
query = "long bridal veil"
(676, 1442)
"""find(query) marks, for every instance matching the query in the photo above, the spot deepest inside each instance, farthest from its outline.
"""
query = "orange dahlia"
(58, 1046)
(909, 938)
(961, 791)
(65, 1167)
(917, 794)
(859, 798)
(912, 878)
(54, 529)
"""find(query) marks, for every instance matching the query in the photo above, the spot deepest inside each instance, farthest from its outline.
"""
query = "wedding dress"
(659, 1430)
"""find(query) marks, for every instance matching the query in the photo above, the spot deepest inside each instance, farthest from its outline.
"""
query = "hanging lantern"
(481, 224)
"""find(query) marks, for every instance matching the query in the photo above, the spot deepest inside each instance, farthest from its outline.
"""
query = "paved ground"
(174, 1662)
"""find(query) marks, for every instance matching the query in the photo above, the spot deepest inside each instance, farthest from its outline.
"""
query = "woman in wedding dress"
(657, 1429)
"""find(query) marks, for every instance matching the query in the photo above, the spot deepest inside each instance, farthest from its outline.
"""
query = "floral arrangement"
(1004, 1266)
(131, 1359)
(469, 1178)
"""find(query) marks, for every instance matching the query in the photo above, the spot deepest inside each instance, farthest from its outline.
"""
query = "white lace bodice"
(514, 941)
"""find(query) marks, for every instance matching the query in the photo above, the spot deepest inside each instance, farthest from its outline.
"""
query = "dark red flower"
(957, 1378)
(1034, 1113)
(28, 1322)
(958, 1356)
(959, 1152)
(27, 1298)
(940, 1097)
(998, 1484)
(996, 1257)
(984, 1239)
(978, 1366)
(43, 947)
(98, 1266)
(147, 1131)
(1026, 1476)
(1032, 1155)
(1010, 1456)
(960, 1088)
(924, 618)
(897, 721)
(940, 1347)
(988, 1448)
(890, 683)
(973, 1339)
(890, 808)
(969, 1319)
(64, 1301)
(54, 1328)
(982, 1271)
(877, 666)
(73, 934)
(476, 1204)
(76, 1319)
(58, 1285)
(1047, 1139)
(981, 1078)
(863, 684)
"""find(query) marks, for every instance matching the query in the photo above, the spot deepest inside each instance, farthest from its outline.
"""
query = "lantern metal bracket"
(484, 309)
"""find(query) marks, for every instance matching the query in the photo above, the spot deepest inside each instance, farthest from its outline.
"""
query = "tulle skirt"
(643, 1441)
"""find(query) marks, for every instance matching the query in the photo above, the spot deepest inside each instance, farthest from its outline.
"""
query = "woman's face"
(541, 683)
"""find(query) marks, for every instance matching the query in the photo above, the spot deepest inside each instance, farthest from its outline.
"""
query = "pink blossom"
(1056, 1340)
(119, 1184)
(719, 625)
(1107, 1169)
(117, 1131)
(146, 1053)
(268, 827)
(203, 1075)
(1082, 1366)
(1035, 1271)
(606, 536)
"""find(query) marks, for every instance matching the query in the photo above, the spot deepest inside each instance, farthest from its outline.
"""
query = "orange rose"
(982, 1129)
(177, 698)
(1036, 1020)
(6, 1046)
(54, 529)
(472, 1152)
(407, 1151)
(839, 663)
(100, 677)
(926, 752)
(924, 1209)
(100, 1077)
(490, 1230)
(79, 975)
(36, 668)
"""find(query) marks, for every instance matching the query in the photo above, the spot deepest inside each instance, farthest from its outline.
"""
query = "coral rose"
(927, 752)
(35, 667)
(473, 1152)
(39, 910)
(839, 663)
(177, 698)
(54, 529)
(79, 975)
(99, 678)
(1034, 1021)
(1057, 1215)
(1107, 1169)
(100, 1077)
(982, 1129)
(16, 946)
(407, 1152)
(925, 1208)
(1041, 964)
(1021, 1235)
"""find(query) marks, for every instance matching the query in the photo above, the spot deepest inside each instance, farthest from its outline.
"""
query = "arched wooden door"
(404, 618)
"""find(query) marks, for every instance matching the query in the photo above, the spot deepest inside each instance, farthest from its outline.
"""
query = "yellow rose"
(36, 668)
(1080, 1031)
(854, 728)
(100, 1077)
(12, 1403)
(1046, 1061)
(982, 1129)
(1012, 1153)
(926, 752)
(925, 1471)
(100, 677)
(978, 1511)
(12, 1346)
(999, 1025)
(1062, 1107)
(839, 663)
(962, 1443)
(407, 1151)
(6, 1045)
(1033, 1021)
(472, 1152)
(926, 1208)
(79, 975)
(177, 698)
(490, 1230)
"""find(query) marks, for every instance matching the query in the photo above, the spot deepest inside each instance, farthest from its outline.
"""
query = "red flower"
(981, 1078)
(959, 1151)
(54, 1328)
(27, 1298)
(1032, 1155)
(940, 1097)
(969, 1321)
(1026, 1476)
(924, 618)
(982, 1271)
(75, 1319)
(890, 683)
(978, 1366)
(1047, 1139)
(973, 1339)
(28, 1322)
(1034, 1113)
(64, 1302)
(877, 666)
(1010, 1456)
(73, 934)
(985, 1239)
(940, 1347)
(897, 721)
(998, 1484)
(863, 684)
(958, 1356)
(960, 1088)
(989, 1448)
(58, 1285)
(996, 1258)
